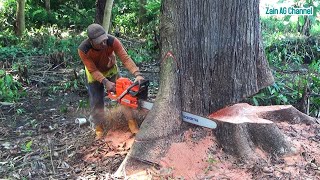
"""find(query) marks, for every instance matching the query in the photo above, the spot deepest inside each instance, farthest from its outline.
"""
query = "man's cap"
(96, 33)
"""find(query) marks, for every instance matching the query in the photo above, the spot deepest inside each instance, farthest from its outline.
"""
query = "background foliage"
(294, 57)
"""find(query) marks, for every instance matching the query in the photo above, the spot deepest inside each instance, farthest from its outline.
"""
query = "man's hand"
(110, 86)
(139, 78)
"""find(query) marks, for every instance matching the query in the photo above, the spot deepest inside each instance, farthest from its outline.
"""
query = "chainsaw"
(135, 95)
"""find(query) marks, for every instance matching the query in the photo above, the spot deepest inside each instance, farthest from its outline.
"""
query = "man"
(98, 54)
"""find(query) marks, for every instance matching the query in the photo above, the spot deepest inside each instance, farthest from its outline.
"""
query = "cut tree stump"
(243, 128)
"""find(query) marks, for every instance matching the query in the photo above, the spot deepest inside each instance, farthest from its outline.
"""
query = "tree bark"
(100, 7)
(306, 26)
(47, 5)
(164, 119)
(212, 57)
(221, 52)
(20, 17)
(107, 15)
(142, 14)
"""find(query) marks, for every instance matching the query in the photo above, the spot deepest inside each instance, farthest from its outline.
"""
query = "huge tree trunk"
(217, 48)
(213, 58)
(20, 17)
(221, 54)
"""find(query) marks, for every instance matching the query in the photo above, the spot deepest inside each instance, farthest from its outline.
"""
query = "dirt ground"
(44, 142)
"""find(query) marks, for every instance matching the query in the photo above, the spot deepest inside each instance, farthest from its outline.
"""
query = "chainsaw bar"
(187, 117)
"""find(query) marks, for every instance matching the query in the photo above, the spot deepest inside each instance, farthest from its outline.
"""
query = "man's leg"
(96, 98)
(96, 95)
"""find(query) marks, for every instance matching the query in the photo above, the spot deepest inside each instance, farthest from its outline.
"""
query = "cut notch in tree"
(242, 128)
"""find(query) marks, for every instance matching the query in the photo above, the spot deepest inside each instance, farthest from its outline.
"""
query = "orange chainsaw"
(128, 93)
(135, 94)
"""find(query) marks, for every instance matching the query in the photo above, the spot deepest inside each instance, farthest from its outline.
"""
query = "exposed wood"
(245, 113)
(242, 128)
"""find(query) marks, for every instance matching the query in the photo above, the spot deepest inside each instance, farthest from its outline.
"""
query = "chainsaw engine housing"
(132, 92)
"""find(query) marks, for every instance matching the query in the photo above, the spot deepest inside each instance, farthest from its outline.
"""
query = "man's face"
(101, 45)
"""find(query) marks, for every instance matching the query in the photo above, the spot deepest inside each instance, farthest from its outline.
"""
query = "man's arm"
(97, 75)
(125, 58)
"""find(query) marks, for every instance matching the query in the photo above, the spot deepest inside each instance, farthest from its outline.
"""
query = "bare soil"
(44, 142)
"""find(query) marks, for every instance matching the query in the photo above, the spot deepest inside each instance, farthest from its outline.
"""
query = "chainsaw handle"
(132, 85)
(144, 83)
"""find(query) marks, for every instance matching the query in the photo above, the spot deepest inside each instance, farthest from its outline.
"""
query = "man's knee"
(96, 102)
(96, 95)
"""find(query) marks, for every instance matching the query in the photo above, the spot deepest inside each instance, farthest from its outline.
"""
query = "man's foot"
(133, 126)
(99, 131)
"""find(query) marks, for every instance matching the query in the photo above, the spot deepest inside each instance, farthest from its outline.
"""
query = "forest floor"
(39, 139)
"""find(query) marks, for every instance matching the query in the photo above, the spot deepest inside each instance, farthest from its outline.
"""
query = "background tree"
(142, 14)
(100, 6)
(20, 23)
(107, 15)
(103, 13)
(47, 5)
(304, 23)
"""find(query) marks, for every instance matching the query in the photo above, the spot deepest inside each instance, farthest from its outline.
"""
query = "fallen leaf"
(6, 145)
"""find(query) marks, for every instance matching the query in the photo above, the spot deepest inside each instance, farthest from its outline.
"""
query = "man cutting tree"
(98, 54)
